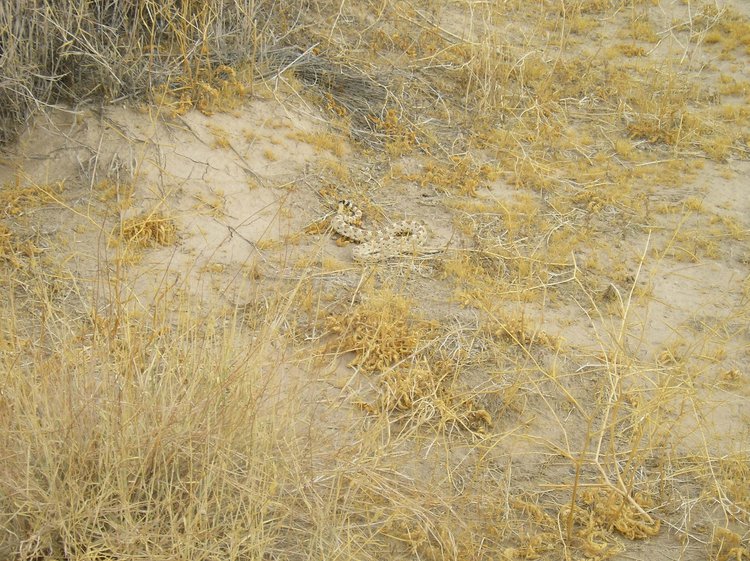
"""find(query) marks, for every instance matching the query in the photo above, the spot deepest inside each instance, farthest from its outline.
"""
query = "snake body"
(401, 238)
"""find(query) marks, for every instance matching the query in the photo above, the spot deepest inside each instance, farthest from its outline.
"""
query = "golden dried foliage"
(734, 472)
(429, 392)
(400, 136)
(207, 89)
(13, 250)
(728, 546)
(149, 230)
(520, 331)
(604, 510)
(321, 141)
(17, 199)
(459, 175)
(380, 331)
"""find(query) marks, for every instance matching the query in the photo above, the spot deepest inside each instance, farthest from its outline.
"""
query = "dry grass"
(466, 426)
(140, 437)
(181, 53)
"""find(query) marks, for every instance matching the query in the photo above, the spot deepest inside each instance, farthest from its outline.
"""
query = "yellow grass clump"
(381, 331)
(149, 230)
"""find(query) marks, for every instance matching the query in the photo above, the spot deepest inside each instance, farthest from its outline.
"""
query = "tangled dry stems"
(82, 51)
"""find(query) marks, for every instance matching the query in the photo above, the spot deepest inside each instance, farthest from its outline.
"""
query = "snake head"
(345, 205)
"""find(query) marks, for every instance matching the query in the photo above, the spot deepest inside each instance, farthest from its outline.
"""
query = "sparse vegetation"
(191, 368)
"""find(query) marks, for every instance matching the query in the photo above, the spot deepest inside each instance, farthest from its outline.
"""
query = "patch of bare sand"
(224, 181)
